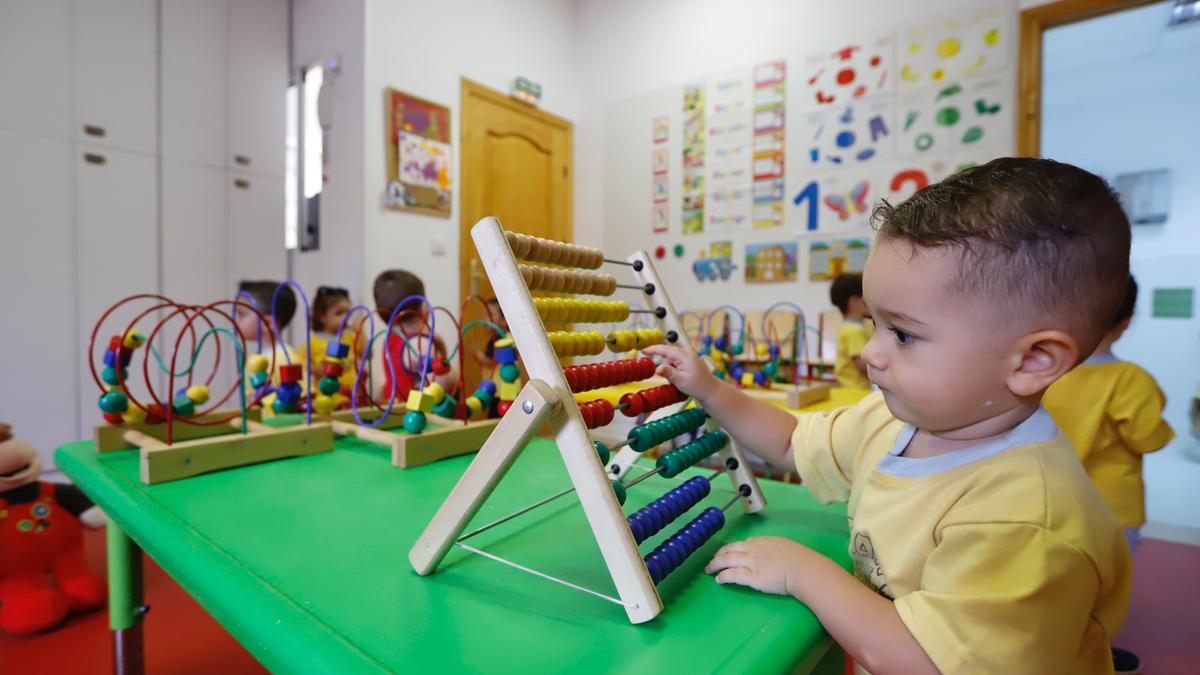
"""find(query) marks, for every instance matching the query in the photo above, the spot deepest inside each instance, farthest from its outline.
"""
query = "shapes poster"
(849, 72)
(828, 259)
(693, 158)
(771, 262)
(770, 81)
(848, 134)
(955, 117)
(418, 154)
(951, 50)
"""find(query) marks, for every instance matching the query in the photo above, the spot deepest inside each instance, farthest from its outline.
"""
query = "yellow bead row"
(576, 343)
(626, 340)
(526, 247)
(555, 280)
(573, 310)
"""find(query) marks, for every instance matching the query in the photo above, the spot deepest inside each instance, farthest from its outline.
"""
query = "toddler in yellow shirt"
(846, 294)
(979, 544)
(1112, 412)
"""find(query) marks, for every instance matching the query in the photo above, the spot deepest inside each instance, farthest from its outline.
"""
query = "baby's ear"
(1039, 359)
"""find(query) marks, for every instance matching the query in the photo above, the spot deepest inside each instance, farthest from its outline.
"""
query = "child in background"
(847, 294)
(486, 357)
(259, 294)
(329, 308)
(1112, 412)
(979, 543)
(391, 288)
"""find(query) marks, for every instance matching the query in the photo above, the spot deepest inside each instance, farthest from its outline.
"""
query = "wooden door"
(516, 165)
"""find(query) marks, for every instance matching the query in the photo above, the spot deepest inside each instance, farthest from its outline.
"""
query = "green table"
(304, 561)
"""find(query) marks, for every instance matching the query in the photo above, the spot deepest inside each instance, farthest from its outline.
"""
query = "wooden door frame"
(566, 229)
(1034, 23)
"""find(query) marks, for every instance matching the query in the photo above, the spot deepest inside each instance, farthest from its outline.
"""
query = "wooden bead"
(133, 339)
(293, 372)
(198, 394)
(414, 422)
(435, 392)
(527, 275)
(257, 364)
(329, 385)
(114, 402)
(134, 415)
(113, 418)
(322, 404)
(474, 406)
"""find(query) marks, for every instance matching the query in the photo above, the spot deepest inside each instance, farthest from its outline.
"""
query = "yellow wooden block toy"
(419, 400)
(507, 391)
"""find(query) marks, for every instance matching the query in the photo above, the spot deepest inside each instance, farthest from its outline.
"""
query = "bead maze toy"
(554, 267)
(178, 439)
(175, 436)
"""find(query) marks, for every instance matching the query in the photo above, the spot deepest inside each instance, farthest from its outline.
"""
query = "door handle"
(473, 282)
(93, 158)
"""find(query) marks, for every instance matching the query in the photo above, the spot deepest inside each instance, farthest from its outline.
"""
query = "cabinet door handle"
(93, 130)
(242, 159)
(241, 183)
(93, 158)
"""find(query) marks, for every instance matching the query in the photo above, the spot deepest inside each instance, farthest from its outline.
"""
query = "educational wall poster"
(901, 179)
(828, 259)
(660, 218)
(954, 117)
(661, 128)
(771, 262)
(849, 72)
(848, 134)
(659, 188)
(658, 160)
(716, 264)
(836, 201)
(418, 154)
(693, 158)
(933, 54)
(770, 80)
(729, 150)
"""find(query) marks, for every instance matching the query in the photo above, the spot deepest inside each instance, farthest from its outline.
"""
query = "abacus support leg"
(511, 435)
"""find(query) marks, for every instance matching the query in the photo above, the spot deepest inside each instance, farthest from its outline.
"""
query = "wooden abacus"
(548, 397)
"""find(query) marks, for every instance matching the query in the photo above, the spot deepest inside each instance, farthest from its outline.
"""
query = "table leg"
(125, 603)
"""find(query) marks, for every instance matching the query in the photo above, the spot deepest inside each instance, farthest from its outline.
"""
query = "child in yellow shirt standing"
(846, 294)
(979, 543)
(1112, 412)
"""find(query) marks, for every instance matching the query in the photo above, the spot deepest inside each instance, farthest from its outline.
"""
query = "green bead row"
(652, 434)
(678, 460)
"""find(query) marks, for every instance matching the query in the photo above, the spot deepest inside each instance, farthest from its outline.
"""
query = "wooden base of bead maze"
(450, 439)
(794, 396)
(110, 437)
(161, 463)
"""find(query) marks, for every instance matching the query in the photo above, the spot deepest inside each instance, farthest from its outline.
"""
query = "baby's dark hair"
(1044, 243)
(845, 286)
(1125, 312)
(393, 286)
(326, 297)
(263, 291)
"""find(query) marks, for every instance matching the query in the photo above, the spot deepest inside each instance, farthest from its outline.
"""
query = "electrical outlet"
(437, 246)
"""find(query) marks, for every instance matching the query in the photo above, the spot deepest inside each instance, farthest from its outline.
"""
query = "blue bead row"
(672, 552)
(656, 515)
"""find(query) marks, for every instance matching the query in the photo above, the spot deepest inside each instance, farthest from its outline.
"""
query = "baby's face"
(247, 323)
(940, 358)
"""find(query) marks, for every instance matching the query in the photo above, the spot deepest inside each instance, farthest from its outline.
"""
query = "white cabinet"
(115, 65)
(255, 228)
(35, 67)
(194, 61)
(193, 232)
(40, 356)
(257, 85)
(116, 225)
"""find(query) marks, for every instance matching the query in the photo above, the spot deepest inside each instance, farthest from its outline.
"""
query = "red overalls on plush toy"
(40, 540)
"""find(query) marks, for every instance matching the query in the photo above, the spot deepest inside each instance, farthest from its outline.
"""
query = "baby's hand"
(685, 370)
(767, 564)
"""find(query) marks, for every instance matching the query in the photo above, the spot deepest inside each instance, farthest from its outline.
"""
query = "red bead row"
(649, 400)
(596, 375)
(597, 413)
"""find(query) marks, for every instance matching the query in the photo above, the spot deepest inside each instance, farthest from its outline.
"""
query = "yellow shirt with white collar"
(852, 337)
(1112, 412)
(999, 558)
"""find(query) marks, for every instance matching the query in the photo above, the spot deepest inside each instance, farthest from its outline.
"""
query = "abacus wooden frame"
(590, 478)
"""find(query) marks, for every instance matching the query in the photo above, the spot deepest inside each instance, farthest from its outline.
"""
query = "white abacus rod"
(620, 262)
(731, 502)
(472, 549)
(514, 514)
(635, 481)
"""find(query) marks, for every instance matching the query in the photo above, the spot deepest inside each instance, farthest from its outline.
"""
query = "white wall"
(324, 30)
(1129, 80)
(423, 48)
(633, 54)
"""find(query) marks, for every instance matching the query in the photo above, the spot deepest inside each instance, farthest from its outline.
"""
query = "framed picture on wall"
(419, 155)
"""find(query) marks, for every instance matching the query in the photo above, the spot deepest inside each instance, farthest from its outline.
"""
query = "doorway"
(517, 166)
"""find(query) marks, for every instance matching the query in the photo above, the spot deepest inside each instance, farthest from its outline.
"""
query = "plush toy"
(43, 576)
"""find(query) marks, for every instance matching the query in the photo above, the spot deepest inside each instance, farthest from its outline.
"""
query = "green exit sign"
(1173, 303)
